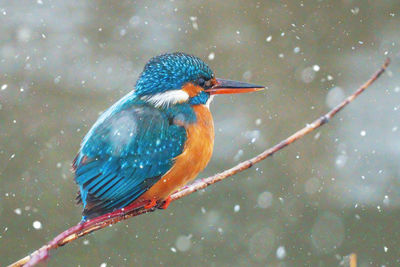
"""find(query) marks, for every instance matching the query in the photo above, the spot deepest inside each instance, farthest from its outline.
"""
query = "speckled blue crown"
(171, 72)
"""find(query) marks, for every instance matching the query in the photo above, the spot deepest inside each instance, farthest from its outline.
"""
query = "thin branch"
(98, 223)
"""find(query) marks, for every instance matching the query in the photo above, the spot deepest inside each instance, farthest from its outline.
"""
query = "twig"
(105, 220)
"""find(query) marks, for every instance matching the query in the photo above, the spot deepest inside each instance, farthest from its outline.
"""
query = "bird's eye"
(208, 84)
(201, 82)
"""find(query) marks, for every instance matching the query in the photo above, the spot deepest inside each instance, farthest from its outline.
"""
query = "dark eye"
(201, 82)
(208, 84)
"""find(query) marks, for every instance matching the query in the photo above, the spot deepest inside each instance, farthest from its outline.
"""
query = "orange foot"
(151, 204)
(166, 203)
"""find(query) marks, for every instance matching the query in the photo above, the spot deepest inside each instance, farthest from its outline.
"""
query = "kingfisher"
(154, 140)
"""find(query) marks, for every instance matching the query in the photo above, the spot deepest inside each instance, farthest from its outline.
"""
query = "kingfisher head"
(177, 78)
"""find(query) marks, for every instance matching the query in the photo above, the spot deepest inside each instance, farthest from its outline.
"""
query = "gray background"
(332, 193)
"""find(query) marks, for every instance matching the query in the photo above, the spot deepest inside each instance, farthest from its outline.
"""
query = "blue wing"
(127, 151)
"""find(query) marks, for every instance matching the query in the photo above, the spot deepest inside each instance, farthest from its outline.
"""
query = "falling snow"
(37, 225)
(60, 71)
(281, 252)
(238, 155)
(316, 68)
(57, 79)
(236, 208)
(183, 243)
(247, 75)
(307, 75)
(264, 200)
(341, 161)
(334, 96)
(195, 26)
(386, 200)
(355, 10)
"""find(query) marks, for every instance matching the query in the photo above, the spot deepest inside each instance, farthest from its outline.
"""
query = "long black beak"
(232, 87)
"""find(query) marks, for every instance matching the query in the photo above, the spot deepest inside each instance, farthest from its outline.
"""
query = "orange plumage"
(194, 158)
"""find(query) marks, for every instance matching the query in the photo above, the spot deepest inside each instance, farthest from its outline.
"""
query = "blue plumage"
(170, 72)
(126, 153)
(201, 98)
(133, 144)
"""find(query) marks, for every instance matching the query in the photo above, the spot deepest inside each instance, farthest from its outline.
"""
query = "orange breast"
(194, 158)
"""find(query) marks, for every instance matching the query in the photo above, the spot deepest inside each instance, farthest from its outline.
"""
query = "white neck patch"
(210, 99)
(165, 99)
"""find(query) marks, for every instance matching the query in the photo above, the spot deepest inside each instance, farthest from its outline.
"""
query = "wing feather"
(124, 154)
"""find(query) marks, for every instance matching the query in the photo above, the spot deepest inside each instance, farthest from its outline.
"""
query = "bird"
(154, 140)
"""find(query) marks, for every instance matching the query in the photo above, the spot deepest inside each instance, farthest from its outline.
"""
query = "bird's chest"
(196, 154)
(199, 144)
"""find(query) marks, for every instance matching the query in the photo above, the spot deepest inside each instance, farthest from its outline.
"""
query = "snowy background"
(334, 192)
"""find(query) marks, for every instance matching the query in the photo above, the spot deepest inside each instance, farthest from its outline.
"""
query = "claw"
(151, 204)
(166, 203)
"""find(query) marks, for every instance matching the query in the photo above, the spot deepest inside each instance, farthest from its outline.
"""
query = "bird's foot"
(151, 205)
(166, 203)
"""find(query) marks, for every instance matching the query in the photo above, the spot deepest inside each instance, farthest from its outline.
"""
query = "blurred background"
(334, 192)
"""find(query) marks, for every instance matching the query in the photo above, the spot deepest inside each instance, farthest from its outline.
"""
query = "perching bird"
(155, 139)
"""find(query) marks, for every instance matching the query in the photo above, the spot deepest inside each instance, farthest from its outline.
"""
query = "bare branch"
(98, 223)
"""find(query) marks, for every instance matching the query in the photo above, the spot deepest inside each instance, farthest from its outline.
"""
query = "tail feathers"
(78, 198)
(90, 210)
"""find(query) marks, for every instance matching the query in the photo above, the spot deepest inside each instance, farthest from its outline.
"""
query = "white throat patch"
(210, 99)
(165, 99)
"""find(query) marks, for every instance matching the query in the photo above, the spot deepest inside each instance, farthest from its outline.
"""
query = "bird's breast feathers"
(194, 158)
